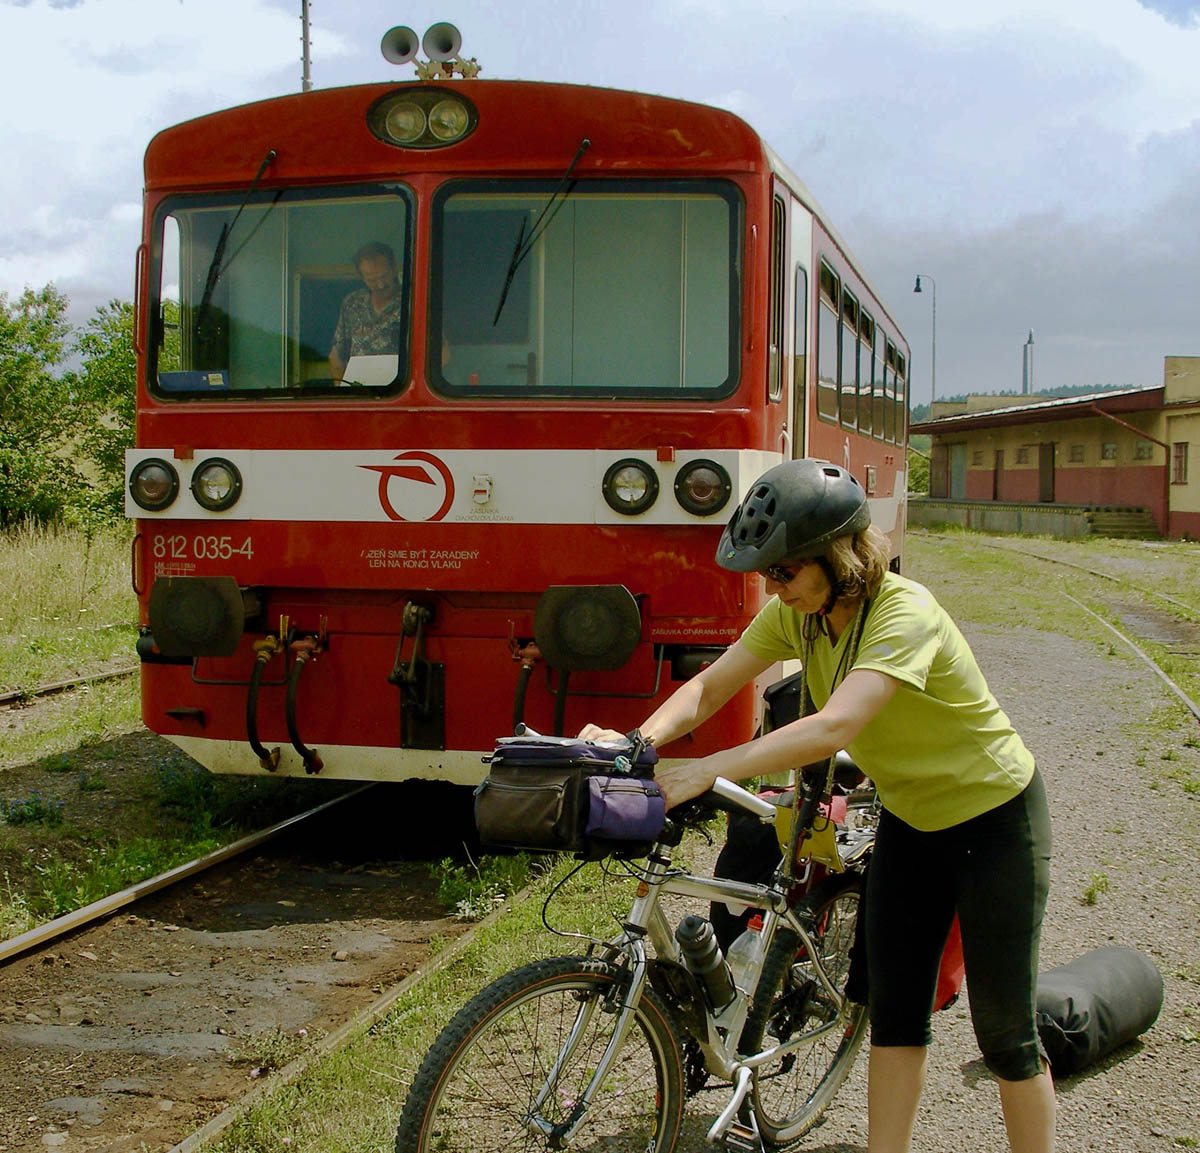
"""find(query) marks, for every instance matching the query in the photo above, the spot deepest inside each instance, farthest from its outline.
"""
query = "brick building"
(1126, 449)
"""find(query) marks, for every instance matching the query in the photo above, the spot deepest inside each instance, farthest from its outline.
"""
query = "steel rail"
(1094, 572)
(18, 696)
(51, 930)
(1188, 703)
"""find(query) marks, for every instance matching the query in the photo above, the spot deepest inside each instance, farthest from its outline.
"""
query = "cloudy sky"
(1039, 160)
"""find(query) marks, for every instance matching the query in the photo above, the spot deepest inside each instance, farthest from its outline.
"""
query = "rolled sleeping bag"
(1095, 1004)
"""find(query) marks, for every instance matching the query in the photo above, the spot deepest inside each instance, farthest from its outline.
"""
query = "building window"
(977, 458)
(1143, 450)
(1023, 454)
(1179, 462)
(1108, 450)
(1076, 456)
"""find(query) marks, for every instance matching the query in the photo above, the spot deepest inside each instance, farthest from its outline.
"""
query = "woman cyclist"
(965, 827)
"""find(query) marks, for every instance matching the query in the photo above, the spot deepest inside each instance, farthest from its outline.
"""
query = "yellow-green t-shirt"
(941, 751)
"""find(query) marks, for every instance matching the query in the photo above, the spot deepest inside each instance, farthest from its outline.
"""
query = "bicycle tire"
(789, 1094)
(479, 1080)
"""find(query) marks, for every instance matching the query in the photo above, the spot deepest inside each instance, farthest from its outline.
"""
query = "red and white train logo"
(417, 486)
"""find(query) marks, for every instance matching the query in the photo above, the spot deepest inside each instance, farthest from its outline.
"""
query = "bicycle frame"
(722, 1027)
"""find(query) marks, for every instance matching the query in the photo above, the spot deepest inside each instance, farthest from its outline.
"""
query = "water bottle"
(745, 955)
(702, 956)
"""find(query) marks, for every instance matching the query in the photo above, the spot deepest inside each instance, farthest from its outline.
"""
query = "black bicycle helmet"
(794, 510)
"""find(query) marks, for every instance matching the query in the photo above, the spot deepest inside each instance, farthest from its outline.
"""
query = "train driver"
(370, 317)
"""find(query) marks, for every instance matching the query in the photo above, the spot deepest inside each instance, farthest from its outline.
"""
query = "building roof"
(1039, 411)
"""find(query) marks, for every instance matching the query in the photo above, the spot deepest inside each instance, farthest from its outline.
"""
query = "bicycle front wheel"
(510, 1070)
(790, 1093)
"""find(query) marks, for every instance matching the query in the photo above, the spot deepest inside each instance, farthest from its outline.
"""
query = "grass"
(66, 606)
(66, 610)
(351, 1100)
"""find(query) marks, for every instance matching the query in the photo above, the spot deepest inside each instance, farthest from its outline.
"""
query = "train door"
(802, 246)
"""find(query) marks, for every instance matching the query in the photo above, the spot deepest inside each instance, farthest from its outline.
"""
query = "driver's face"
(378, 273)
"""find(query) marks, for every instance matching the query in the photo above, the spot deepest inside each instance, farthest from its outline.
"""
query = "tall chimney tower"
(1027, 366)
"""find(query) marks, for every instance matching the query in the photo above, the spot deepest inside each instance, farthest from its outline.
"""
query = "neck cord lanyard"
(801, 805)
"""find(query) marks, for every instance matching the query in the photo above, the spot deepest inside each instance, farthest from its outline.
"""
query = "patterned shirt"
(361, 331)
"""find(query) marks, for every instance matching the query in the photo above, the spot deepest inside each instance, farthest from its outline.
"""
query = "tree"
(38, 478)
(107, 388)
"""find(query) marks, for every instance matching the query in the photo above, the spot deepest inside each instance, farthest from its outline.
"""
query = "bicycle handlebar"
(736, 799)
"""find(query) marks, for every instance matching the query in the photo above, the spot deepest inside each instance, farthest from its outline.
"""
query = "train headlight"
(448, 119)
(153, 484)
(702, 487)
(216, 484)
(422, 117)
(630, 487)
(405, 123)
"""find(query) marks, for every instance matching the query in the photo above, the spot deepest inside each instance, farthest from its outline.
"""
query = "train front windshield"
(626, 289)
(254, 291)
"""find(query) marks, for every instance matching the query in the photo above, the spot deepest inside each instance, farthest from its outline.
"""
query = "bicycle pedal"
(742, 1137)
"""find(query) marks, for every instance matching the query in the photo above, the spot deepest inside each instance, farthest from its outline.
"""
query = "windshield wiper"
(215, 267)
(524, 245)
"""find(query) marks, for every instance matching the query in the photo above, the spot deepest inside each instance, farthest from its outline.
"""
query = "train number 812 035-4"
(203, 547)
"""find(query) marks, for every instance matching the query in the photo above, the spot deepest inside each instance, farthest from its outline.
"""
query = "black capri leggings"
(994, 871)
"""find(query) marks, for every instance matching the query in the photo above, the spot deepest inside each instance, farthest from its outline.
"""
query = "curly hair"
(860, 562)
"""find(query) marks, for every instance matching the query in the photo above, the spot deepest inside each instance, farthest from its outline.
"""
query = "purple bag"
(624, 809)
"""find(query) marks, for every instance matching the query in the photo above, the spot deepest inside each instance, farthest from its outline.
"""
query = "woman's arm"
(695, 700)
(813, 738)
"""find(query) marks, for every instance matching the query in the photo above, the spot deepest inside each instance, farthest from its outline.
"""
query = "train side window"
(827, 345)
(800, 362)
(889, 392)
(901, 400)
(848, 365)
(776, 346)
(866, 371)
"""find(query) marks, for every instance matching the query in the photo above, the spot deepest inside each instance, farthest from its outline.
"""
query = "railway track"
(45, 934)
(134, 1029)
(1176, 630)
(14, 698)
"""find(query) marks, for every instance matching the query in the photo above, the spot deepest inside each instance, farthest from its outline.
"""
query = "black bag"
(1095, 1004)
(557, 794)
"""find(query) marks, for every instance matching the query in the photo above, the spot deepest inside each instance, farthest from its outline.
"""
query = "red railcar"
(612, 312)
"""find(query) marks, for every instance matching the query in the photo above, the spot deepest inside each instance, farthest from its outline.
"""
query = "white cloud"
(1036, 156)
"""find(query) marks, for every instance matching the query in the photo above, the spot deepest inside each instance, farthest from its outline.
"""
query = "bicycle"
(600, 1050)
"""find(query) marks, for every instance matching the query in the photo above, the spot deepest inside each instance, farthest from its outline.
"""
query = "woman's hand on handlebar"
(681, 782)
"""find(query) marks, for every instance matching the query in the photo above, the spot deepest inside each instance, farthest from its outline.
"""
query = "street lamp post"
(933, 357)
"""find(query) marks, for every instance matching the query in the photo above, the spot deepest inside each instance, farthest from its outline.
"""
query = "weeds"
(34, 810)
(474, 890)
(272, 1050)
(1098, 885)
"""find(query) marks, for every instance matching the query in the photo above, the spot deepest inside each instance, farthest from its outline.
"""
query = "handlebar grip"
(733, 798)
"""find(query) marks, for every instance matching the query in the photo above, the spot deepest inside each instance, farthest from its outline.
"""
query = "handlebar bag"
(538, 795)
(1095, 1004)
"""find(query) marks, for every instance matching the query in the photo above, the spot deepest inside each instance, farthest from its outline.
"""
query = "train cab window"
(267, 293)
(615, 289)
(827, 345)
(848, 362)
(866, 372)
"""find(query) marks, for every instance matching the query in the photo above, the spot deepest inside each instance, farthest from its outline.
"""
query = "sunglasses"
(783, 574)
